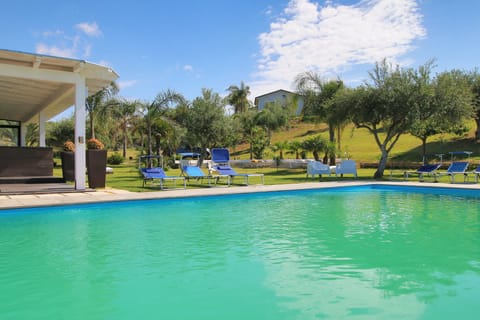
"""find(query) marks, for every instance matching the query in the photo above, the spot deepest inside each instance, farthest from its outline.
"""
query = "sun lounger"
(426, 169)
(194, 172)
(226, 170)
(476, 174)
(457, 167)
(221, 159)
(157, 173)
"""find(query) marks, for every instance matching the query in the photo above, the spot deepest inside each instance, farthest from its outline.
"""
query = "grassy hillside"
(360, 145)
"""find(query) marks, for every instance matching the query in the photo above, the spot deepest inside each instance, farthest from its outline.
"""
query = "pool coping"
(114, 195)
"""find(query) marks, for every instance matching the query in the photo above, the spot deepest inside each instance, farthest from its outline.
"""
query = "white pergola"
(35, 88)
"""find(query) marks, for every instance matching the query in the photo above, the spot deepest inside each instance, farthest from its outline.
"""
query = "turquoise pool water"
(351, 253)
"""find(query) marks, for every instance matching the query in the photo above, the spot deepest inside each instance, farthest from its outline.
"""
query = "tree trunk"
(424, 147)
(315, 155)
(339, 143)
(477, 133)
(251, 147)
(125, 141)
(381, 165)
(92, 127)
(149, 140)
(331, 133)
(124, 151)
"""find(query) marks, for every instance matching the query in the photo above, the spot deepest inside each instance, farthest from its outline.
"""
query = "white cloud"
(53, 50)
(63, 44)
(126, 84)
(52, 33)
(333, 38)
(188, 68)
(104, 63)
(90, 29)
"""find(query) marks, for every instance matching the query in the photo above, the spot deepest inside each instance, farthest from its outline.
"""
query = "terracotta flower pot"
(96, 168)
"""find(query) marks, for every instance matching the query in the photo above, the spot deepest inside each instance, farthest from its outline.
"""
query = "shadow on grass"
(440, 147)
(312, 132)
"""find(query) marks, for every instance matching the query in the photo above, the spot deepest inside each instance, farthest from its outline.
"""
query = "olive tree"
(445, 103)
(206, 123)
(474, 80)
(387, 106)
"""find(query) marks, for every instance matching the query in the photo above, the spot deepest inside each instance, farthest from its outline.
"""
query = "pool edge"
(114, 195)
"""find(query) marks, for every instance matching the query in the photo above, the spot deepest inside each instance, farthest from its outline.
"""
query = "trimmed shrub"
(115, 158)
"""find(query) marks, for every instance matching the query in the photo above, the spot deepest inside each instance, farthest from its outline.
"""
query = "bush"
(115, 159)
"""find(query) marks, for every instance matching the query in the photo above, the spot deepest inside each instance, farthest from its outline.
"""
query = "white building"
(282, 97)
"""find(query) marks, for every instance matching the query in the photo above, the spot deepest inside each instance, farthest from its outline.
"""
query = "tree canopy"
(387, 106)
(206, 122)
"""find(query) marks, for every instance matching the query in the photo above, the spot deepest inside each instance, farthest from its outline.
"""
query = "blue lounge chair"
(426, 169)
(457, 167)
(157, 173)
(221, 164)
(195, 172)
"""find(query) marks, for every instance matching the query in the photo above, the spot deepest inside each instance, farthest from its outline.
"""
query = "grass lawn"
(127, 177)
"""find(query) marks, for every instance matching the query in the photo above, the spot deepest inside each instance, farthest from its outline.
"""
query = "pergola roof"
(30, 83)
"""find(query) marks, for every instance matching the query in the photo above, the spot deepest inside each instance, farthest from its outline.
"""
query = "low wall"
(26, 161)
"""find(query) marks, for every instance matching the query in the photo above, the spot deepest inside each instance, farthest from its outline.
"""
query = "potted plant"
(96, 163)
(68, 161)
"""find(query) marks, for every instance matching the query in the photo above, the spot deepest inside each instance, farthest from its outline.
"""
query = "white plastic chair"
(316, 167)
(346, 167)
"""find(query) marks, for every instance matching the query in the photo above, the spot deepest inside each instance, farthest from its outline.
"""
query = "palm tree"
(319, 102)
(31, 138)
(294, 147)
(123, 111)
(238, 97)
(156, 110)
(96, 101)
(280, 146)
(315, 145)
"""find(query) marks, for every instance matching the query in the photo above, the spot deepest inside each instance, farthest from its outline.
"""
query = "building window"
(9, 133)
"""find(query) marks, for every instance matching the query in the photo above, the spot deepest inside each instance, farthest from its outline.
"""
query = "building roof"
(30, 83)
(270, 93)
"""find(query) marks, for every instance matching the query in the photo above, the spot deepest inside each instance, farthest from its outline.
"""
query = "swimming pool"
(360, 252)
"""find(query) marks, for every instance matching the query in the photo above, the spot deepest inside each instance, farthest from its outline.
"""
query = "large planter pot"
(96, 167)
(68, 165)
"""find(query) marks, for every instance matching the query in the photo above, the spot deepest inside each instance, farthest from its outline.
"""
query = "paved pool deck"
(111, 195)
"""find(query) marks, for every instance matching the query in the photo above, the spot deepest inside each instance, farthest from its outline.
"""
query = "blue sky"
(189, 45)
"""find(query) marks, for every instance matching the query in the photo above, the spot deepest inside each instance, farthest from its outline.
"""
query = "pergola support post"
(41, 129)
(80, 161)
